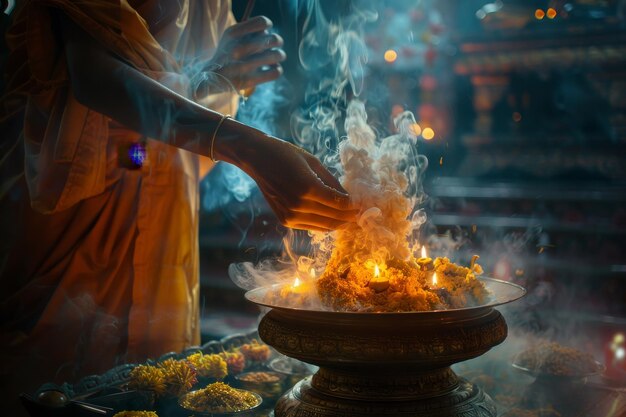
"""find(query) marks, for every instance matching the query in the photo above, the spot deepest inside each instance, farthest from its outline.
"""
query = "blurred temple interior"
(521, 111)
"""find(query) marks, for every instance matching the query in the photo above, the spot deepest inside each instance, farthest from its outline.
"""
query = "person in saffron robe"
(100, 265)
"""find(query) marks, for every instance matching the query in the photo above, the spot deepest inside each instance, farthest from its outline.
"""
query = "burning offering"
(413, 285)
(372, 264)
(136, 414)
(220, 398)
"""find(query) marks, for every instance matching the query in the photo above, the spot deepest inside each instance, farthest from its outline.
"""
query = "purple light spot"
(137, 154)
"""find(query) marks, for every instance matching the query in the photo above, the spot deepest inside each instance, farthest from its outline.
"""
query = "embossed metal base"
(464, 400)
(384, 364)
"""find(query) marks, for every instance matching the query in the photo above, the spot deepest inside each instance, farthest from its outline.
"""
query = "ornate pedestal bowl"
(386, 364)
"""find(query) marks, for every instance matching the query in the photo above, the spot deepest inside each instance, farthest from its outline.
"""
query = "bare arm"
(110, 86)
(299, 189)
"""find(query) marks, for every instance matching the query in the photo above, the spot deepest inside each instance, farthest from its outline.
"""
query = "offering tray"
(386, 364)
(108, 393)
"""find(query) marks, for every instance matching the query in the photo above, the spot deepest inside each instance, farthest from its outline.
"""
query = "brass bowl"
(293, 370)
(386, 363)
(249, 412)
(539, 374)
(269, 390)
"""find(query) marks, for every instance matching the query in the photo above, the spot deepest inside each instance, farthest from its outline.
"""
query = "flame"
(376, 271)
(296, 282)
(424, 254)
(435, 279)
(312, 273)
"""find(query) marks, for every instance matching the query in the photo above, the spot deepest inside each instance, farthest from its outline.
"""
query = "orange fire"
(435, 279)
(296, 282)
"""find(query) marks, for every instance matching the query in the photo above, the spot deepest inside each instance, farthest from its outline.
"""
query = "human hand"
(247, 55)
(299, 189)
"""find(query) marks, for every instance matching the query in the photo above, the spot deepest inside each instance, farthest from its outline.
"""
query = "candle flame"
(376, 271)
(424, 254)
(434, 279)
(312, 273)
(296, 282)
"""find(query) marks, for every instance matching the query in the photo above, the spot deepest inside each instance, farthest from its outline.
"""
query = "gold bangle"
(211, 150)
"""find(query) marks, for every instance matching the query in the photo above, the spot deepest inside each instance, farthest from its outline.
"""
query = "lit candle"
(296, 283)
(377, 283)
(424, 262)
(435, 280)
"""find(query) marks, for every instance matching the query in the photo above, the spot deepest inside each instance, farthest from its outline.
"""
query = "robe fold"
(103, 267)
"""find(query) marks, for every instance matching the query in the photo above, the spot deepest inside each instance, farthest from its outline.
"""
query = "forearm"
(109, 86)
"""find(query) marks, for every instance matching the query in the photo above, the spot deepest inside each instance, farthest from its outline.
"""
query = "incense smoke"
(382, 175)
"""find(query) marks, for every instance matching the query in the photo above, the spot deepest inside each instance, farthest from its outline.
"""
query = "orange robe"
(104, 264)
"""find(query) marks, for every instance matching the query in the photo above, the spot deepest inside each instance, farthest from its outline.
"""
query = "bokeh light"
(390, 55)
(396, 109)
(551, 13)
(539, 14)
(428, 133)
(517, 116)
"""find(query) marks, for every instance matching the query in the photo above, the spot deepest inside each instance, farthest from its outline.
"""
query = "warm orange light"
(435, 279)
(551, 13)
(312, 273)
(424, 254)
(539, 14)
(517, 116)
(296, 282)
(428, 133)
(376, 271)
(416, 129)
(390, 55)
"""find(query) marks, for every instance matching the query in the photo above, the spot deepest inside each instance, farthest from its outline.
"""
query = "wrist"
(236, 142)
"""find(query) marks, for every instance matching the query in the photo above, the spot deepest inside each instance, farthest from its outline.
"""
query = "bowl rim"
(272, 365)
(600, 368)
(280, 376)
(255, 296)
(219, 414)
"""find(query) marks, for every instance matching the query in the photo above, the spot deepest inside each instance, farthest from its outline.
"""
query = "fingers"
(261, 75)
(267, 58)
(252, 25)
(256, 44)
(310, 221)
(309, 227)
(328, 178)
(330, 197)
(313, 207)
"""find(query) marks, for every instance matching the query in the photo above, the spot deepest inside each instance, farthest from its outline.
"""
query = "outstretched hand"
(300, 190)
(248, 54)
